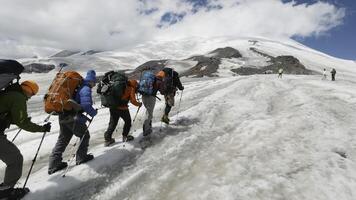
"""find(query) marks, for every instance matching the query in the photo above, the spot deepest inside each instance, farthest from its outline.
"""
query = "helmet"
(30, 87)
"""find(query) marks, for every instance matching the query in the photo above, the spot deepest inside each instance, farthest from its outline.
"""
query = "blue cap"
(91, 76)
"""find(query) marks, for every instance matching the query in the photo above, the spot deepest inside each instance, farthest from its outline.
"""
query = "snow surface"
(235, 137)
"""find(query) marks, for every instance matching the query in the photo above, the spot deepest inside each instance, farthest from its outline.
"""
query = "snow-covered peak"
(176, 52)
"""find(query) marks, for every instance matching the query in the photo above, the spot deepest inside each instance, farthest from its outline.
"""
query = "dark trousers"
(69, 127)
(13, 159)
(115, 115)
(169, 99)
(333, 77)
(167, 109)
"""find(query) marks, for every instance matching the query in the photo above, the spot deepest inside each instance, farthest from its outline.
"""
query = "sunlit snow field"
(235, 137)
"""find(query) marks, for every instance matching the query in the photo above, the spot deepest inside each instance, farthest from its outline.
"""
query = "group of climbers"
(332, 72)
(74, 115)
(165, 81)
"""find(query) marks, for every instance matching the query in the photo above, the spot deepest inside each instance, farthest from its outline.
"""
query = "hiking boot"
(127, 138)
(87, 158)
(5, 192)
(58, 167)
(165, 119)
(3, 187)
(13, 193)
(109, 142)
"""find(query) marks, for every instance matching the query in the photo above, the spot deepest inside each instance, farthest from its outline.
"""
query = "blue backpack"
(145, 86)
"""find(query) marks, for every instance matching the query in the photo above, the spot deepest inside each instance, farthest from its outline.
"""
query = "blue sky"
(340, 41)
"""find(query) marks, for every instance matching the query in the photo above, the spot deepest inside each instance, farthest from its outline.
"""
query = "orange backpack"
(61, 90)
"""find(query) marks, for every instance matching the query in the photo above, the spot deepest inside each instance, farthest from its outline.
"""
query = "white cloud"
(270, 18)
(39, 26)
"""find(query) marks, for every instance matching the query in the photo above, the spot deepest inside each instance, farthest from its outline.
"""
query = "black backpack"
(10, 71)
(111, 89)
(167, 85)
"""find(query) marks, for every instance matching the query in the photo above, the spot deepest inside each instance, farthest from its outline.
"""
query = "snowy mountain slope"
(251, 137)
(254, 137)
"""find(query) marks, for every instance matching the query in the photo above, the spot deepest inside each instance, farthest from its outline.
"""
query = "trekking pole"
(18, 132)
(34, 159)
(160, 128)
(138, 110)
(180, 99)
(39, 147)
(133, 122)
(80, 142)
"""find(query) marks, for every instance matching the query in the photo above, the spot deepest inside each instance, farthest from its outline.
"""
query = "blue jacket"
(84, 98)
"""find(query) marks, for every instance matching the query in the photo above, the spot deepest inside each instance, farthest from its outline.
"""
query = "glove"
(95, 113)
(47, 127)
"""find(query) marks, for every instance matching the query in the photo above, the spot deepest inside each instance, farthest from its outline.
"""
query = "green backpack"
(111, 89)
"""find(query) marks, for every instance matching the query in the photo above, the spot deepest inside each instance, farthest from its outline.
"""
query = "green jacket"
(13, 110)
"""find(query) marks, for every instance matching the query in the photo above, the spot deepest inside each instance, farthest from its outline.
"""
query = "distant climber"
(280, 72)
(324, 74)
(333, 73)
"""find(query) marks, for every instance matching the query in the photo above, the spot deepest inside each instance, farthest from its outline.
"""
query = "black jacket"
(176, 81)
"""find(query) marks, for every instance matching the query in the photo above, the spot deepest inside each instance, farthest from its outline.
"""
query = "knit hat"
(91, 76)
(30, 87)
